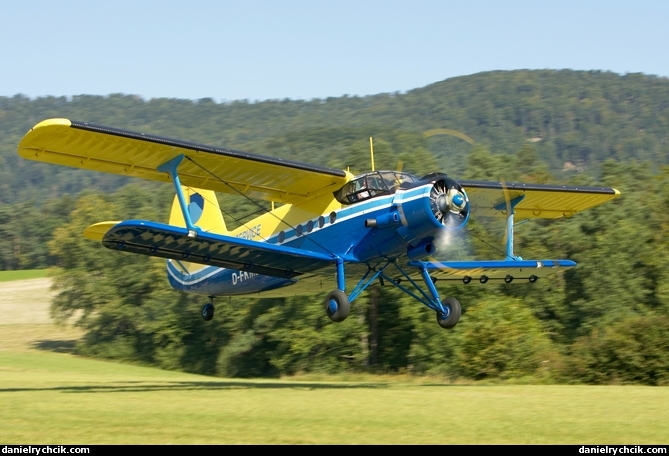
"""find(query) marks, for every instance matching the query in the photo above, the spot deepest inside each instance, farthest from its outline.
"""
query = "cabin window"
(371, 185)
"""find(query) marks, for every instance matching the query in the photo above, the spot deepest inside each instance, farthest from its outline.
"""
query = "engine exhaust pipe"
(421, 251)
(385, 220)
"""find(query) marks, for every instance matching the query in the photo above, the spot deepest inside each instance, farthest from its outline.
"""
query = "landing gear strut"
(208, 310)
(338, 304)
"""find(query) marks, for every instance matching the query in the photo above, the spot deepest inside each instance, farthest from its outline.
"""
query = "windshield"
(369, 185)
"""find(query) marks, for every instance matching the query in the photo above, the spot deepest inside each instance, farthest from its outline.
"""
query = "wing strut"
(170, 167)
(510, 208)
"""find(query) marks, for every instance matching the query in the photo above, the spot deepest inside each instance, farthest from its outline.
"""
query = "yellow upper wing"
(111, 150)
(539, 200)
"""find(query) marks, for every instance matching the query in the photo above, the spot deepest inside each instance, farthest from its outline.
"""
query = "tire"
(455, 310)
(337, 306)
(208, 312)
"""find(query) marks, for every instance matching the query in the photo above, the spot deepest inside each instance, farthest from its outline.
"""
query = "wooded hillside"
(575, 120)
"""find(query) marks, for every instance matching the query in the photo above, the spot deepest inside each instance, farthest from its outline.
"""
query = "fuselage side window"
(372, 184)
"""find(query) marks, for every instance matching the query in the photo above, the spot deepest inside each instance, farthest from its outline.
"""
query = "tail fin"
(203, 208)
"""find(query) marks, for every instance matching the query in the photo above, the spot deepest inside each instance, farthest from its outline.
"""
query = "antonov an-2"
(333, 232)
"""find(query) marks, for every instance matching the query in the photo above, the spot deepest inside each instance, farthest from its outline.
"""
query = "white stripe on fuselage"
(372, 208)
(200, 279)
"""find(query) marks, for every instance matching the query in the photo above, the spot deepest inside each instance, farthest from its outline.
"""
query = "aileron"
(501, 270)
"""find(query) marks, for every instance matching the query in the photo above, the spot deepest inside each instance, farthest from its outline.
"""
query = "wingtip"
(29, 146)
(53, 122)
(97, 231)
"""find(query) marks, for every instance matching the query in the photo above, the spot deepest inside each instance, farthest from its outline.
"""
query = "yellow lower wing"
(97, 231)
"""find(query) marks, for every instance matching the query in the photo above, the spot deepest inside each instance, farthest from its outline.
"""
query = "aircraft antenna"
(371, 151)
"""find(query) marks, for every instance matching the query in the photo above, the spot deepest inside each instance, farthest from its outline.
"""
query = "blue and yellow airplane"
(333, 231)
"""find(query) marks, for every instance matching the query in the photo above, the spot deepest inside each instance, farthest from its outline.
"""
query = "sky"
(305, 49)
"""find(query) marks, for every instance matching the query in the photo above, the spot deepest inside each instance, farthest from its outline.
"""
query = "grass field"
(6, 276)
(48, 395)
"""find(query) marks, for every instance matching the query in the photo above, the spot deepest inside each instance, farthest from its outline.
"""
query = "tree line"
(607, 320)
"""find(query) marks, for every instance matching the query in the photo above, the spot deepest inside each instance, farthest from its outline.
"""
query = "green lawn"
(6, 276)
(49, 396)
(53, 398)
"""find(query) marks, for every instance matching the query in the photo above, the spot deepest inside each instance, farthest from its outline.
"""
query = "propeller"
(449, 203)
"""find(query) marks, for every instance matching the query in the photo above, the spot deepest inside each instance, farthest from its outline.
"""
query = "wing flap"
(539, 201)
(495, 271)
(111, 150)
(167, 241)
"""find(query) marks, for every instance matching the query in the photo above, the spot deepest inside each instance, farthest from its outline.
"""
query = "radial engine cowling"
(436, 203)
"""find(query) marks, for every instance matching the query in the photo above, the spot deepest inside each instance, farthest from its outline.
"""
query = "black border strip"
(536, 187)
(204, 148)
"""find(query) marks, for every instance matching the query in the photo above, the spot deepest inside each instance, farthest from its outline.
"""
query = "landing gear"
(208, 310)
(337, 305)
(452, 315)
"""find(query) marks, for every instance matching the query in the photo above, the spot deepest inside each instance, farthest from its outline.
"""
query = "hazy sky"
(303, 49)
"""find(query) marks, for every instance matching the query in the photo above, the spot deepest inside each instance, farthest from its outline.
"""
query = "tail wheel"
(337, 306)
(452, 315)
(208, 312)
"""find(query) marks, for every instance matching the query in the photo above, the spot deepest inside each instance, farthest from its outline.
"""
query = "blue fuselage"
(345, 235)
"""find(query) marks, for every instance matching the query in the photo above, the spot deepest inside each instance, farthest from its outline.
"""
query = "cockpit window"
(373, 184)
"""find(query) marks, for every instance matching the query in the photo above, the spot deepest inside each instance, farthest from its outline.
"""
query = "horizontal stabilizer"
(167, 241)
(497, 271)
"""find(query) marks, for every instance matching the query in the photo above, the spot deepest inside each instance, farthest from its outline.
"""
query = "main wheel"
(337, 305)
(208, 312)
(451, 318)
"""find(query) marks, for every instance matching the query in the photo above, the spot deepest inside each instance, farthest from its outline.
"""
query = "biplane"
(330, 232)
